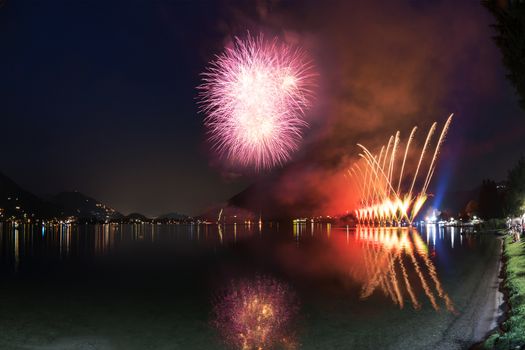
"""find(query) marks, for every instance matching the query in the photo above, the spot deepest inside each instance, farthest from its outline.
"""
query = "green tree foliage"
(516, 188)
(490, 202)
(510, 38)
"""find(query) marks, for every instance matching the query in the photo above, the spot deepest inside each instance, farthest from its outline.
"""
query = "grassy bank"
(513, 335)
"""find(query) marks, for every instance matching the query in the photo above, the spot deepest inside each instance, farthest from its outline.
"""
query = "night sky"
(100, 97)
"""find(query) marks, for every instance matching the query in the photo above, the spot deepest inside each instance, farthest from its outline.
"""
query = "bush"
(514, 328)
(494, 224)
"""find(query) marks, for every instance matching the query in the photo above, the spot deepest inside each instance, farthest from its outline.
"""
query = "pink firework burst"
(256, 314)
(254, 96)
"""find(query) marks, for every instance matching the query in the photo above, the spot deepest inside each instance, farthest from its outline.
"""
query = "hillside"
(82, 206)
(19, 203)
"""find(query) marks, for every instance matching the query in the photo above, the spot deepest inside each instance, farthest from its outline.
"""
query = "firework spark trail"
(427, 141)
(254, 96)
(369, 172)
(376, 194)
(368, 184)
(436, 152)
(405, 157)
(372, 163)
(360, 178)
(386, 155)
(392, 157)
(377, 184)
(418, 204)
(362, 181)
(351, 174)
(382, 203)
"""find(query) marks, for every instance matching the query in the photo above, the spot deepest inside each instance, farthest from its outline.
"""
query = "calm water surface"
(148, 286)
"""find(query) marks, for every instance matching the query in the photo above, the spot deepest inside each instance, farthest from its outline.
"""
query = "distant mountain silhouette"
(137, 216)
(17, 202)
(262, 198)
(82, 206)
(172, 216)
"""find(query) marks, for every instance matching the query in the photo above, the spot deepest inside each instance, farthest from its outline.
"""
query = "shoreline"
(500, 312)
(481, 316)
(509, 334)
(492, 312)
(500, 300)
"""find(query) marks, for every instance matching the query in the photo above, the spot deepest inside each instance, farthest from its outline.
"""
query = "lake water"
(144, 286)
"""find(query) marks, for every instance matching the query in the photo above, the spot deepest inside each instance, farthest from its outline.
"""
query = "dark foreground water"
(152, 287)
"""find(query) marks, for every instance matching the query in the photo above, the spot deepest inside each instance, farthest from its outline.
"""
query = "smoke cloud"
(383, 67)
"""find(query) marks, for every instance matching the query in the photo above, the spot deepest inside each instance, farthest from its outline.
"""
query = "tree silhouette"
(510, 38)
(472, 208)
(490, 202)
(516, 188)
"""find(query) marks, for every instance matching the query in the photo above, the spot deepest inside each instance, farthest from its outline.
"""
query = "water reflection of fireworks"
(256, 314)
(390, 255)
